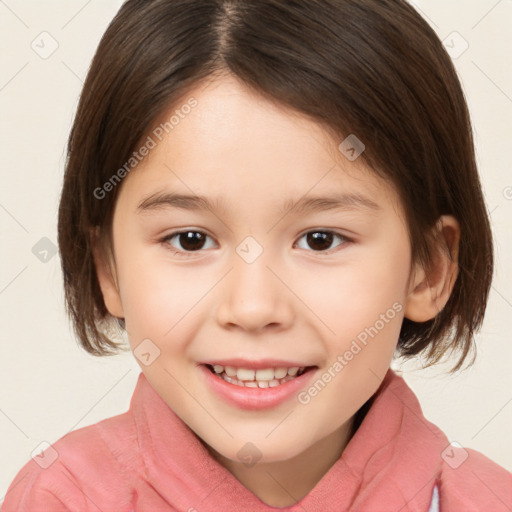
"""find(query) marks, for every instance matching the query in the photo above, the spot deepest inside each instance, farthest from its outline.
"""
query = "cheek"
(362, 302)
(158, 298)
(353, 296)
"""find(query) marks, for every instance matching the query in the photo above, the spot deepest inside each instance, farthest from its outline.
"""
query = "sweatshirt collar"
(391, 440)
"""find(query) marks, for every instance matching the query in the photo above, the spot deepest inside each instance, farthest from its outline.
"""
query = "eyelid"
(334, 232)
(186, 254)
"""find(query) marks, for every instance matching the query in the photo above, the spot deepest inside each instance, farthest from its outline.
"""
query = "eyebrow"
(306, 204)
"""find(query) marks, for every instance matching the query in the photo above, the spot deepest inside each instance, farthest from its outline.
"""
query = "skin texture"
(297, 301)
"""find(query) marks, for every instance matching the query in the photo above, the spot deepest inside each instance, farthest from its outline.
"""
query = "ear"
(106, 273)
(430, 289)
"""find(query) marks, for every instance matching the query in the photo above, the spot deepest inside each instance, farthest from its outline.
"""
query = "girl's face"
(253, 284)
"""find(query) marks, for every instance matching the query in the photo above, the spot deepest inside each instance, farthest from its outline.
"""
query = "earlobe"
(430, 289)
(105, 271)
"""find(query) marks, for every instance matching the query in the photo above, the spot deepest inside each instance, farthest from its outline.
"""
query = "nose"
(255, 297)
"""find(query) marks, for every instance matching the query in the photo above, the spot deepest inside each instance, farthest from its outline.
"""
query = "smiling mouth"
(260, 378)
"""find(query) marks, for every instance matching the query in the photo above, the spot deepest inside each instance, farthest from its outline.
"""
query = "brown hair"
(369, 67)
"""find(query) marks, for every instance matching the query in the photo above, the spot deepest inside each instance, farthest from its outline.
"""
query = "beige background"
(48, 386)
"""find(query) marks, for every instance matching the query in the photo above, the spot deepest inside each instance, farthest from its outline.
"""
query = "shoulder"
(85, 465)
(52, 488)
(471, 479)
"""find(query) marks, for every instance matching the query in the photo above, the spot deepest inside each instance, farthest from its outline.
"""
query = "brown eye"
(188, 241)
(321, 241)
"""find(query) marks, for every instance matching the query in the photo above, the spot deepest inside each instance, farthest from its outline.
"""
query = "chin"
(257, 451)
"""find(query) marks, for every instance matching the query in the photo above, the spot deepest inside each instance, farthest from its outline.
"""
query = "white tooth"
(230, 371)
(265, 374)
(279, 373)
(218, 368)
(263, 383)
(273, 383)
(251, 384)
(228, 379)
(293, 370)
(245, 374)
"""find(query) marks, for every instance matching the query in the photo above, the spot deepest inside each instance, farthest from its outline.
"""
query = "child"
(266, 127)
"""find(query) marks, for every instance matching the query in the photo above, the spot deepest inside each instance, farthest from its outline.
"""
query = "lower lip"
(255, 398)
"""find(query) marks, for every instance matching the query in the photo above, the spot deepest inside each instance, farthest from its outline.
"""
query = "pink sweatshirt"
(148, 460)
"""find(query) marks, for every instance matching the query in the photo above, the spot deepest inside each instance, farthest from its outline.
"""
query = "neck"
(284, 483)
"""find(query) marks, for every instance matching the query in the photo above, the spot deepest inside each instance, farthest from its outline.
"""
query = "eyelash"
(186, 254)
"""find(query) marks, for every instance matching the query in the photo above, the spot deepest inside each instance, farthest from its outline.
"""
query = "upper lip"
(260, 364)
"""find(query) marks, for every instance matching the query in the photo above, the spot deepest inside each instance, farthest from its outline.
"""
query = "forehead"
(236, 144)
